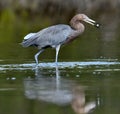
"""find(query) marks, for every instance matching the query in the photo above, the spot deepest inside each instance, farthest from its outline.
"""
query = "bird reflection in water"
(79, 104)
(53, 89)
(57, 90)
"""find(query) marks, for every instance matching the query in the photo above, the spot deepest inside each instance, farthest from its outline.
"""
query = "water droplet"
(13, 78)
(77, 76)
(99, 72)
(94, 72)
(7, 78)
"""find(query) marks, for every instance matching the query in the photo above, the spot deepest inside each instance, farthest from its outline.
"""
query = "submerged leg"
(57, 51)
(37, 54)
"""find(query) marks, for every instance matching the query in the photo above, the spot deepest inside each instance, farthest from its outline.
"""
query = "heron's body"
(50, 37)
(55, 36)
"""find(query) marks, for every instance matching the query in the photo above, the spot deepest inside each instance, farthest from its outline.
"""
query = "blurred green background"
(20, 17)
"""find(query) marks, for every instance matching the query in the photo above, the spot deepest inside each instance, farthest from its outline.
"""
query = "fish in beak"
(92, 22)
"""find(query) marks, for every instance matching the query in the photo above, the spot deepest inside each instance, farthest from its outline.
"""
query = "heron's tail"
(25, 43)
(29, 40)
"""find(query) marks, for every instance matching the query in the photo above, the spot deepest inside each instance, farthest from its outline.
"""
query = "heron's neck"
(77, 26)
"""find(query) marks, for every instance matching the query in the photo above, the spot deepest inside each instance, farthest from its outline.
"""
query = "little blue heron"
(57, 35)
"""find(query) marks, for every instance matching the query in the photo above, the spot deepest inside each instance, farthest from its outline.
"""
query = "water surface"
(74, 87)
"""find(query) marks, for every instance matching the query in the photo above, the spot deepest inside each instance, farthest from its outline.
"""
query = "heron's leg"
(37, 54)
(57, 51)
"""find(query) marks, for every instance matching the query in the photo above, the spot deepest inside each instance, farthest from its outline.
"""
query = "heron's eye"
(80, 21)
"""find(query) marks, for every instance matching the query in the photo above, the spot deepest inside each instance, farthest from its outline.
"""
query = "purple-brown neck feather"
(77, 26)
(76, 23)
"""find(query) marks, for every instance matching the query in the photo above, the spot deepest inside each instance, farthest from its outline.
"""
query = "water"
(72, 87)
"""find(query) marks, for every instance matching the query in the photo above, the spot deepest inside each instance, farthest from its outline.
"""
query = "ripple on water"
(48, 65)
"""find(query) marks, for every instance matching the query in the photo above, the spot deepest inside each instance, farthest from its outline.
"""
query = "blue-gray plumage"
(57, 35)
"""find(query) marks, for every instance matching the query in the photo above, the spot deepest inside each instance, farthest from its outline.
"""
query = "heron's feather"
(29, 35)
(51, 36)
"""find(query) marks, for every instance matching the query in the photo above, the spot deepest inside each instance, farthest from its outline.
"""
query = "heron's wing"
(54, 35)
(50, 36)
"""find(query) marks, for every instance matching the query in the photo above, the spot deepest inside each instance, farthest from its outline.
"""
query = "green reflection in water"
(100, 85)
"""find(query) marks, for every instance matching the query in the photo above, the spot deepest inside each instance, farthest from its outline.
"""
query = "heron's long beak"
(92, 22)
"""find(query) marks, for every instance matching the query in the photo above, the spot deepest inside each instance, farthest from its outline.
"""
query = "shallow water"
(72, 87)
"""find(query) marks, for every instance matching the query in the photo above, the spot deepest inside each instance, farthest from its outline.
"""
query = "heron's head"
(86, 19)
(77, 19)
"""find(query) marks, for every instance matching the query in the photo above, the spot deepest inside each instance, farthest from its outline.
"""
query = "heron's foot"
(36, 65)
